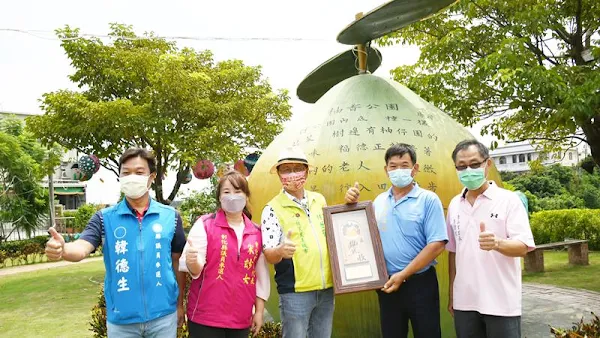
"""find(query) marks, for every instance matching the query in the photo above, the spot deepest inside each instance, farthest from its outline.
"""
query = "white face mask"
(233, 203)
(134, 186)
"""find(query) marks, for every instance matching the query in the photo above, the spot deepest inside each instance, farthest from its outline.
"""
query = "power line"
(39, 34)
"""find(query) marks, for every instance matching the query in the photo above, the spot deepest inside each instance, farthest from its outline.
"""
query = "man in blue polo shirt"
(413, 233)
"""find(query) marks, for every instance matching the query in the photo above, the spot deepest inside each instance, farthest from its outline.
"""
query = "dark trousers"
(203, 331)
(472, 324)
(417, 300)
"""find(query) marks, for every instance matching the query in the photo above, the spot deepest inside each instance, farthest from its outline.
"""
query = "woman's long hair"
(239, 182)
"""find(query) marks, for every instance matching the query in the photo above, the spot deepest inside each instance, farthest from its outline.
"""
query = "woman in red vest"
(224, 256)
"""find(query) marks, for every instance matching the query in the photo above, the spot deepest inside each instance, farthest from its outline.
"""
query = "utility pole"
(51, 197)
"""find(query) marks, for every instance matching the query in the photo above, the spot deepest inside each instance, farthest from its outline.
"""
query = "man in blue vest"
(142, 241)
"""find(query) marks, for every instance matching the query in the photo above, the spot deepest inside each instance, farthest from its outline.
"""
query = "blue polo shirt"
(406, 226)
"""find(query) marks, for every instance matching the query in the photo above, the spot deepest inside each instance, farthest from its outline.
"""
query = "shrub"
(24, 251)
(98, 321)
(557, 225)
(558, 202)
(83, 215)
(541, 186)
(580, 329)
(196, 205)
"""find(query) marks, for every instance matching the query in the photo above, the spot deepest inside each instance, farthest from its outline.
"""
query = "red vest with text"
(225, 292)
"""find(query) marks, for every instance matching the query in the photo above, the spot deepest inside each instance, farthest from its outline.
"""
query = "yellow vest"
(309, 268)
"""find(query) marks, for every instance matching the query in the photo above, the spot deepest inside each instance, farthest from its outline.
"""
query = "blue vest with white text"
(140, 284)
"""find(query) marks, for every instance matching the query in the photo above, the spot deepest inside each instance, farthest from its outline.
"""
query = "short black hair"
(462, 145)
(139, 152)
(400, 149)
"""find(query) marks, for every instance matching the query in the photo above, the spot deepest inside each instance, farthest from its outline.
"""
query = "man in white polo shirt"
(488, 232)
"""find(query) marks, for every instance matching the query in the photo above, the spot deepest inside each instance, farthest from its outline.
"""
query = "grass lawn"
(50, 303)
(559, 272)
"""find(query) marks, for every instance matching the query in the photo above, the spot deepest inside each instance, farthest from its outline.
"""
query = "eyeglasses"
(472, 165)
(289, 170)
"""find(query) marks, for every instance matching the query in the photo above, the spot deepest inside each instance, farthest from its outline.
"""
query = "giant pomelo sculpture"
(345, 136)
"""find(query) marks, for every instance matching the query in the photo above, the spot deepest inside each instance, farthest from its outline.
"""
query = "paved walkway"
(545, 305)
(43, 266)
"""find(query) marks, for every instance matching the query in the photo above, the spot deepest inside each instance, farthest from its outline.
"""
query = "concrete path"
(42, 266)
(546, 305)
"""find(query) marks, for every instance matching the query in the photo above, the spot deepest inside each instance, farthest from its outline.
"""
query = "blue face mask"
(401, 177)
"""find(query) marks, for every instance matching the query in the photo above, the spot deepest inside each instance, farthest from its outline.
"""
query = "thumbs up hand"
(487, 239)
(352, 194)
(191, 254)
(288, 247)
(54, 247)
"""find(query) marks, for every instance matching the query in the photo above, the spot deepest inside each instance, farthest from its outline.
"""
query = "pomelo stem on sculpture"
(362, 52)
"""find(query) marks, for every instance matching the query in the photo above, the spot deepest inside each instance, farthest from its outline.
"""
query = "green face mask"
(473, 179)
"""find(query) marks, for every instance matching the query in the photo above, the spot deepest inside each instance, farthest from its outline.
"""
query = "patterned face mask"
(293, 181)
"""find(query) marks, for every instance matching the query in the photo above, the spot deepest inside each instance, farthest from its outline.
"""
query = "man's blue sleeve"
(435, 222)
(178, 241)
(93, 230)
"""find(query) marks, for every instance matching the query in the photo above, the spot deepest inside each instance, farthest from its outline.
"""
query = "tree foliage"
(533, 66)
(558, 187)
(196, 205)
(146, 92)
(23, 164)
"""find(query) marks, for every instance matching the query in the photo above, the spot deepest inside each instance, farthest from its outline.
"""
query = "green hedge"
(557, 225)
(23, 252)
(30, 251)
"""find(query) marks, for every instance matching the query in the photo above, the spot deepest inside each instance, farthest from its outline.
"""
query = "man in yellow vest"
(294, 240)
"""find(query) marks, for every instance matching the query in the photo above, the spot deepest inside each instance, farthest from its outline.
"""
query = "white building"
(514, 157)
(69, 192)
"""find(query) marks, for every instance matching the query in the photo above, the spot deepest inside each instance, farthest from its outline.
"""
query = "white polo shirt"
(487, 281)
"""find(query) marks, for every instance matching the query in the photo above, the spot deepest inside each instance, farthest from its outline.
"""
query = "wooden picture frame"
(355, 250)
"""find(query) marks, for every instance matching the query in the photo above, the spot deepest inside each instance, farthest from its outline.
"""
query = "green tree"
(558, 202)
(588, 164)
(83, 215)
(590, 196)
(23, 164)
(146, 92)
(507, 175)
(533, 66)
(196, 205)
(539, 185)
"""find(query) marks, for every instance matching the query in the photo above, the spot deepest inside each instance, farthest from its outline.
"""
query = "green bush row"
(29, 251)
(26, 251)
(557, 225)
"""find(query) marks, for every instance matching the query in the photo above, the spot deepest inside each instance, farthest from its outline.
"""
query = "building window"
(502, 160)
(514, 158)
(571, 156)
(521, 158)
(529, 157)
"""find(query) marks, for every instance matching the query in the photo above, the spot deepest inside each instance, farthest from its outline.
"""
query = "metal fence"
(62, 225)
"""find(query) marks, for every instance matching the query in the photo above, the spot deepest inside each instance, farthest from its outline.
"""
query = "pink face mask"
(293, 181)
